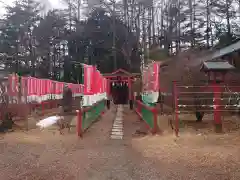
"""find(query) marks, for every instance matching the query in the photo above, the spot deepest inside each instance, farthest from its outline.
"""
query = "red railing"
(26, 94)
(148, 114)
(88, 115)
(214, 98)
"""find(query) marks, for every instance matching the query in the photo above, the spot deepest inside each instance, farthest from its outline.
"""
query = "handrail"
(86, 109)
(153, 110)
(80, 113)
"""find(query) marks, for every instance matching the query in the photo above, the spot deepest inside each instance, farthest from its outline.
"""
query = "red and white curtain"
(151, 86)
(150, 77)
(39, 90)
(94, 85)
(94, 88)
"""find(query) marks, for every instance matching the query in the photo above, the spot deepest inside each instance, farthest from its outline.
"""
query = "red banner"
(151, 78)
(98, 82)
(88, 79)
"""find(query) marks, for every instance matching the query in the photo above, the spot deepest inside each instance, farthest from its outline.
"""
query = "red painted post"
(129, 89)
(155, 117)
(79, 123)
(138, 107)
(108, 88)
(42, 105)
(176, 107)
(217, 113)
(103, 111)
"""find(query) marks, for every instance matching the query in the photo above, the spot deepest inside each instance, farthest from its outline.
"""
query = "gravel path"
(49, 156)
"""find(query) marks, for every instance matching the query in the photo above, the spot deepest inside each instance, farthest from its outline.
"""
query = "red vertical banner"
(44, 88)
(49, 86)
(57, 88)
(38, 84)
(96, 81)
(99, 81)
(53, 89)
(61, 86)
(33, 86)
(100, 84)
(108, 88)
(104, 85)
(34, 83)
(81, 88)
(88, 77)
(151, 78)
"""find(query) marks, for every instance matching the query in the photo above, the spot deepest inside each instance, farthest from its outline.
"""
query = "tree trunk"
(228, 18)
(191, 21)
(208, 27)
(199, 116)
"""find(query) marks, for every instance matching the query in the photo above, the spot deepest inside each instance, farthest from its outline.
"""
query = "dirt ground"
(46, 155)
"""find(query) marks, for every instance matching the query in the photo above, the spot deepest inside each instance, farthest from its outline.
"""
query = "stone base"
(218, 128)
(108, 104)
(131, 104)
(30, 123)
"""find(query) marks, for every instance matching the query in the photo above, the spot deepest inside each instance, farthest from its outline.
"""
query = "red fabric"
(151, 78)
(88, 79)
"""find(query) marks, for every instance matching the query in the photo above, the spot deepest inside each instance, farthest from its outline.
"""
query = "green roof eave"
(217, 66)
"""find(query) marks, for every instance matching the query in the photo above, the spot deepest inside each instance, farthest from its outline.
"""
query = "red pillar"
(175, 93)
(79, 123)
(129, 89)
(108, 88)
(216, 103)
(155, 118)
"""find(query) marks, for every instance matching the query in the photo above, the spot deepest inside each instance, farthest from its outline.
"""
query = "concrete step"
(117, 130)
(116, 137)
(117, 133)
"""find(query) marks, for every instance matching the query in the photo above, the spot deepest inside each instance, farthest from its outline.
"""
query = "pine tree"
(225, 10)
(16, 34)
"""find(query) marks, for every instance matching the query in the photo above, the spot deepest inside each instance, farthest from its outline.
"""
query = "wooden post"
(108, 94)
(216, 103)
(42, 107)
(79, 122)
(176, 107)
(130, 93)
(155, 118)
(138, 107)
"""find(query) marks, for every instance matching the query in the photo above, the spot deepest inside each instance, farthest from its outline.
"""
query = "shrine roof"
(226, 50)
(217, 66)
(121, 72)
